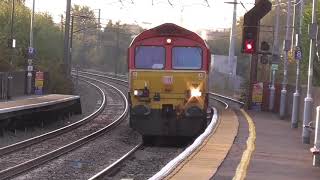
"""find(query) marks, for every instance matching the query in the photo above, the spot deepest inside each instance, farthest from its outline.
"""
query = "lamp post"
(231, 58)
(71, 43)
(287, 44)
(308, 101)
(232, 42)
(275, 56)
(67, 39)
(11, 45)
(30, 53)
(296, 95)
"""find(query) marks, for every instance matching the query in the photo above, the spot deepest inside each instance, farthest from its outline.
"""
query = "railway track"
(180, 161)
(112, 168)
(24, 164)
(28, 142)
(103, 151)
(116, 169)
(132, 165)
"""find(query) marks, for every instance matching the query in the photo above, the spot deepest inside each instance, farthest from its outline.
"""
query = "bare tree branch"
(207, 3)
(121, 3)
(243, 6)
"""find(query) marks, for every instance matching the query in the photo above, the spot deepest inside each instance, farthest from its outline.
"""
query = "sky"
(191, 14)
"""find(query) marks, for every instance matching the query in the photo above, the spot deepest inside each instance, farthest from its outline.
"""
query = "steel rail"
(104, 76)
(111, 167)
(228, 98)
(102, 73)
(55, 133)
(222, 102)
(20, 168)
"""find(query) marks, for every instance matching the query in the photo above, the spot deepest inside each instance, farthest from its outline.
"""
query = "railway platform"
(21, 109)
(279, 153)
(202, 164)
(275, 151)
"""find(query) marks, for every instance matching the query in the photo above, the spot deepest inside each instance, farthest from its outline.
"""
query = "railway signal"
(251, 25)
(249, 46)
(250, 35)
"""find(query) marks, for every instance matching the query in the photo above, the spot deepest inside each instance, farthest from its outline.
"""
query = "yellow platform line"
(242, 168)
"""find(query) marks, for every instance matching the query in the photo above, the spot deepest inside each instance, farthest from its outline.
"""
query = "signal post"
(250, 38)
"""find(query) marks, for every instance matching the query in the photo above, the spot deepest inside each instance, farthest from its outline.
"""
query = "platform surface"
(279, 153)
(202, 164)
(27, 102)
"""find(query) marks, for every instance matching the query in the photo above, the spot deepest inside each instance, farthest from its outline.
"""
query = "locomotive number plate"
(167, 80)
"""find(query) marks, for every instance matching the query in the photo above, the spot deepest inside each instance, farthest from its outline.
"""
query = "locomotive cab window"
(186, 58)
(149, 57)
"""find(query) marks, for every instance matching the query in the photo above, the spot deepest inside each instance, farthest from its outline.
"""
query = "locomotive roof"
(169, 29)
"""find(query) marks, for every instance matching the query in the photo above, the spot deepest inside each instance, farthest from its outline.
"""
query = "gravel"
(89, 159)
(146, 162)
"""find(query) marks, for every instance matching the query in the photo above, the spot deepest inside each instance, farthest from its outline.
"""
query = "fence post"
(5, 85)
(316, 155)
(1, 86)
(9, 88)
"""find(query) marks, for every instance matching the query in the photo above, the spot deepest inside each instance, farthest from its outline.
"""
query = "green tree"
(48, 41)
(101, 49)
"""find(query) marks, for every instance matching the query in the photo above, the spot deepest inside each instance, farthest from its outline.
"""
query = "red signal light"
(248, 46)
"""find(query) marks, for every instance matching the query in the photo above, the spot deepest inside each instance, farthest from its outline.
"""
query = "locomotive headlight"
(138, 92)
(195, 92)
(141, 92)
(135, 92)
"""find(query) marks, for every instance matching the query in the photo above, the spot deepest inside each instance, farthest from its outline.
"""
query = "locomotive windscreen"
(186, 58)
(149, 57)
